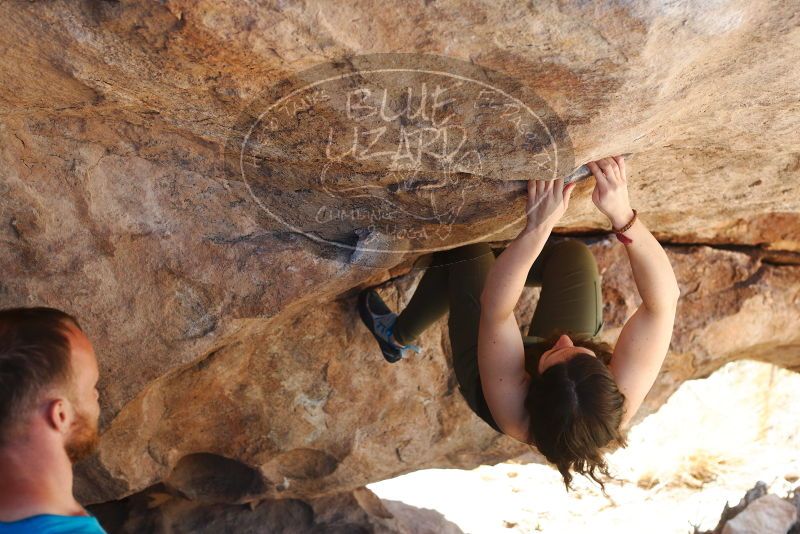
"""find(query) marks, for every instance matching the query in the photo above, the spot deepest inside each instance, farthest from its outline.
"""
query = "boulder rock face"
(762, 512)
(234, 367)
(770, 514)
(359, 511)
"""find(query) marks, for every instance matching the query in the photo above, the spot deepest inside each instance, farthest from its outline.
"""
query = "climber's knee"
(572, 248)
(571, 254)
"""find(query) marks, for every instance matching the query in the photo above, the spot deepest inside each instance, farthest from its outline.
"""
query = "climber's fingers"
(534, 190)
(568, 194)
(557, 188)
(610, 168)
(599, 175)
(621, 164)
(615, 166)
(542, 188)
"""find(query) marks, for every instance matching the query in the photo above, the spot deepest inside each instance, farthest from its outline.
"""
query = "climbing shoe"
(380, 321)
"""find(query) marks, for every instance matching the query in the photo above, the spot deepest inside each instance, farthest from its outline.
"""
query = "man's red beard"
(83, 439)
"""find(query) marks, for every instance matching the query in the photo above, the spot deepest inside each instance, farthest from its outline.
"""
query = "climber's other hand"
(547, 202)
(610, 193)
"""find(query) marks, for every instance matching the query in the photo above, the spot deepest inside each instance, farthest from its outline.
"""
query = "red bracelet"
(622, 238)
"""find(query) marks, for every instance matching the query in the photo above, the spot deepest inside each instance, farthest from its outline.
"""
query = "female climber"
(559, 388)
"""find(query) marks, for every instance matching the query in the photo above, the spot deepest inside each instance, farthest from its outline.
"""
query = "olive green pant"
(570, 299)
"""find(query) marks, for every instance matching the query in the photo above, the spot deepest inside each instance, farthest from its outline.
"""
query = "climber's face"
(563, 350)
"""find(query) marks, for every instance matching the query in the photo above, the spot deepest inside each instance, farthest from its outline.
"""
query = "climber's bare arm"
(640, 350)
(501, 364)
(506, 279)
(644, 340)
(501, 354)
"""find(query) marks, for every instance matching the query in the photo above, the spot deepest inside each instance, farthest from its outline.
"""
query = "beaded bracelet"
(619, 233)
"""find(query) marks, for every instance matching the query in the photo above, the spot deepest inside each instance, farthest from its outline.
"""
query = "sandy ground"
(712, 441)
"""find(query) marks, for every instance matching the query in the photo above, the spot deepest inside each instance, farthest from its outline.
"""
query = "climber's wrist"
(618, 220)
(539, 228)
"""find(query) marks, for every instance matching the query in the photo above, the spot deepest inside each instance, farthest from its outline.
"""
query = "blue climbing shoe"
(380, 321)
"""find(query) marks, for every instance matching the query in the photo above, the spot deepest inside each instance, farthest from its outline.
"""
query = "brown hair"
(34, 355)
(575, 411)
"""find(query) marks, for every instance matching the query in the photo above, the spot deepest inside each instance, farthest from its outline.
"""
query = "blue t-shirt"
(53, 524)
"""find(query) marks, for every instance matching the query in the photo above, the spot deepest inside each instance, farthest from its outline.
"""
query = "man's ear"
(59, 415)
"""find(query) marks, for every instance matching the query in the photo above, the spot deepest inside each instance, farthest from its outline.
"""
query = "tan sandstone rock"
(230, 343)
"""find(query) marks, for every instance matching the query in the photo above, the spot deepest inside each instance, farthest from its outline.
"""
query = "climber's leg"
(536, 272)
(571, 298)
(468, 268)
(428, 303)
